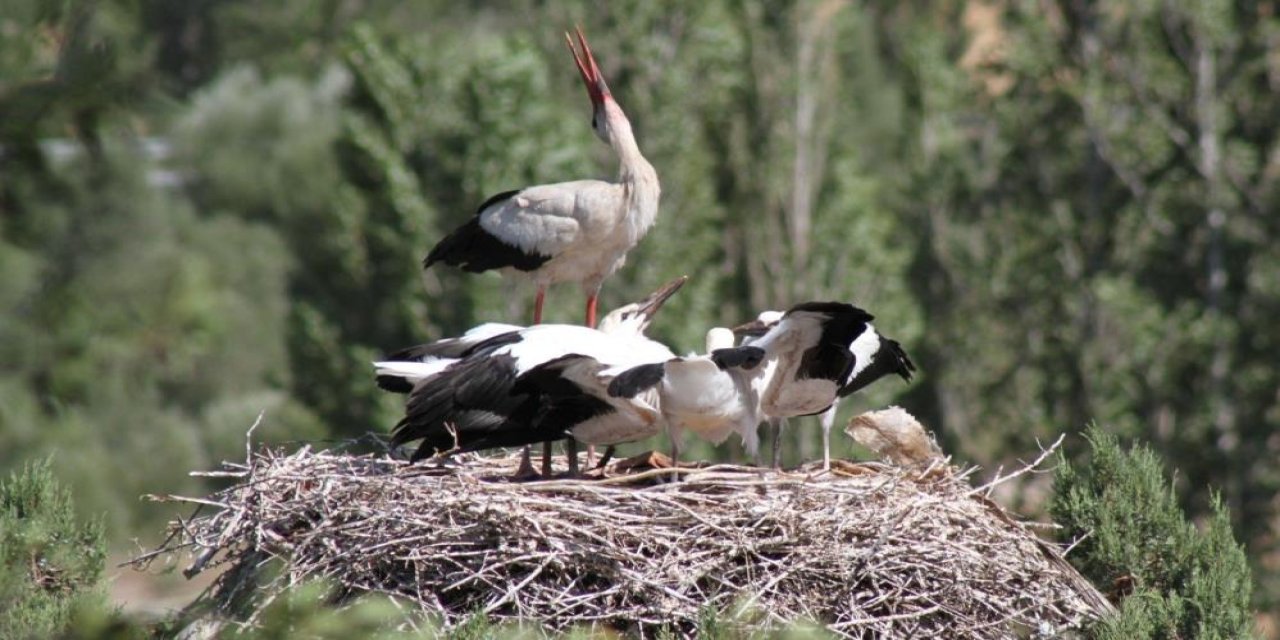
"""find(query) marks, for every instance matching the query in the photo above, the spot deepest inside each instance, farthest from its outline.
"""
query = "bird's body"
(571, 384)
(498, 397)
(709, 395)
(489, 389)
(817, 353)
(577, 231)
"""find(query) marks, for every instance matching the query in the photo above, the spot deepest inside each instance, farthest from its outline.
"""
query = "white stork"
(709, 394)
(502, 391)
(576, 231)
(817, 353)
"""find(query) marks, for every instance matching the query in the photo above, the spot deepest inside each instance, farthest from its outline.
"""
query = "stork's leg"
(778, 424)
(677, 440)
(604, 459)
(828, 418)
(591, 308)
(546, 459)
(537, 304)
(571, 452)
(591, 324)
(751, 442)
(525, 470)
(526, 465)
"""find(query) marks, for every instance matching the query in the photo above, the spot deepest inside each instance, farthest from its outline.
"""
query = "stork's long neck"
(639, 180)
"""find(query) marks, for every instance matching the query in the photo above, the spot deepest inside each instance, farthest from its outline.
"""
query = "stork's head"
(634, 318)
(606, 116)
(760, 326)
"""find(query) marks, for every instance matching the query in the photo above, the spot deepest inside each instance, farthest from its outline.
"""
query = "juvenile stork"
(708, 394)
(817, 353)
(576, 231)
(503, 391)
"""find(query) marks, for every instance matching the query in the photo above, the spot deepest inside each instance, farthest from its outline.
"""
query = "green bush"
(1177, 580)
(50, 562)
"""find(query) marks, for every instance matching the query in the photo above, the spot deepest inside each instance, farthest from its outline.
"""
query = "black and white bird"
(505, 390)
(399, 372)
(577, 231)
(709, 395)
(815, 354)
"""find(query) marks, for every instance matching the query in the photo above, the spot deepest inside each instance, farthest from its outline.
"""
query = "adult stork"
(817, 353)
(577, 231)
(502, 391)
(708, 394)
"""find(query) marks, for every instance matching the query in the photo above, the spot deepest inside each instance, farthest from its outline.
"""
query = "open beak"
(650, 305)
(591, 77)
(753, 329)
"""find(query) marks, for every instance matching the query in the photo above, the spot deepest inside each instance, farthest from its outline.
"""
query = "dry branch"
(868, 550)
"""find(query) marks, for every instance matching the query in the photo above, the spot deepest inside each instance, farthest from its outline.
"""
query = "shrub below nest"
(867, 550)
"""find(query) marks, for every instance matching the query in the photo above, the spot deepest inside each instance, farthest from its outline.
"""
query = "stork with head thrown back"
(577, 231)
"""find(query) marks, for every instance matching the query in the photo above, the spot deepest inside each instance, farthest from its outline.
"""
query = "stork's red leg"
(591, 323)
(537, 305)
(591, 310)
(546, 455)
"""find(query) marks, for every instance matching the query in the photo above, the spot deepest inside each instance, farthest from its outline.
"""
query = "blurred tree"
(138, 339)
(1114, 236)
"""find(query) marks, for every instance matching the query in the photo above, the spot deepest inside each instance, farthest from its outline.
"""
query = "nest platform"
(867, 550)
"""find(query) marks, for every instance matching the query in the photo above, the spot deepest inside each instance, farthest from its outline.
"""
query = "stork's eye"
(593, 121)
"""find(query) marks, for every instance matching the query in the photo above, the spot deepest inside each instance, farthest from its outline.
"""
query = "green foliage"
(1188, 582)
(50, 560)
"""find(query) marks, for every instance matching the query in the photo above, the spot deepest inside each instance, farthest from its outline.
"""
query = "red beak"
(596, 88)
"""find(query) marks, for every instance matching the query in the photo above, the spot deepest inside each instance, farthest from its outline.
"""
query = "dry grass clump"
(867, 550)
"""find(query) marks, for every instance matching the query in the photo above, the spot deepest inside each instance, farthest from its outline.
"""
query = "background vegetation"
(1065, 210)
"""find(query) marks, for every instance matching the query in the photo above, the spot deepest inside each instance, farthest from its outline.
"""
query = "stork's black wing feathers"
(633, 381)
(834, 309)
(394, 384)
(826, 361)
(558, 403)
(468, 408)
(473, 249)
(830, 358)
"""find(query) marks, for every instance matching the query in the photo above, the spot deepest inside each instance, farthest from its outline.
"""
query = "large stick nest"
(867, 550)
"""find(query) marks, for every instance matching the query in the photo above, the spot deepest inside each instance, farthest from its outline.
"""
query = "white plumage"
(700, 395)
